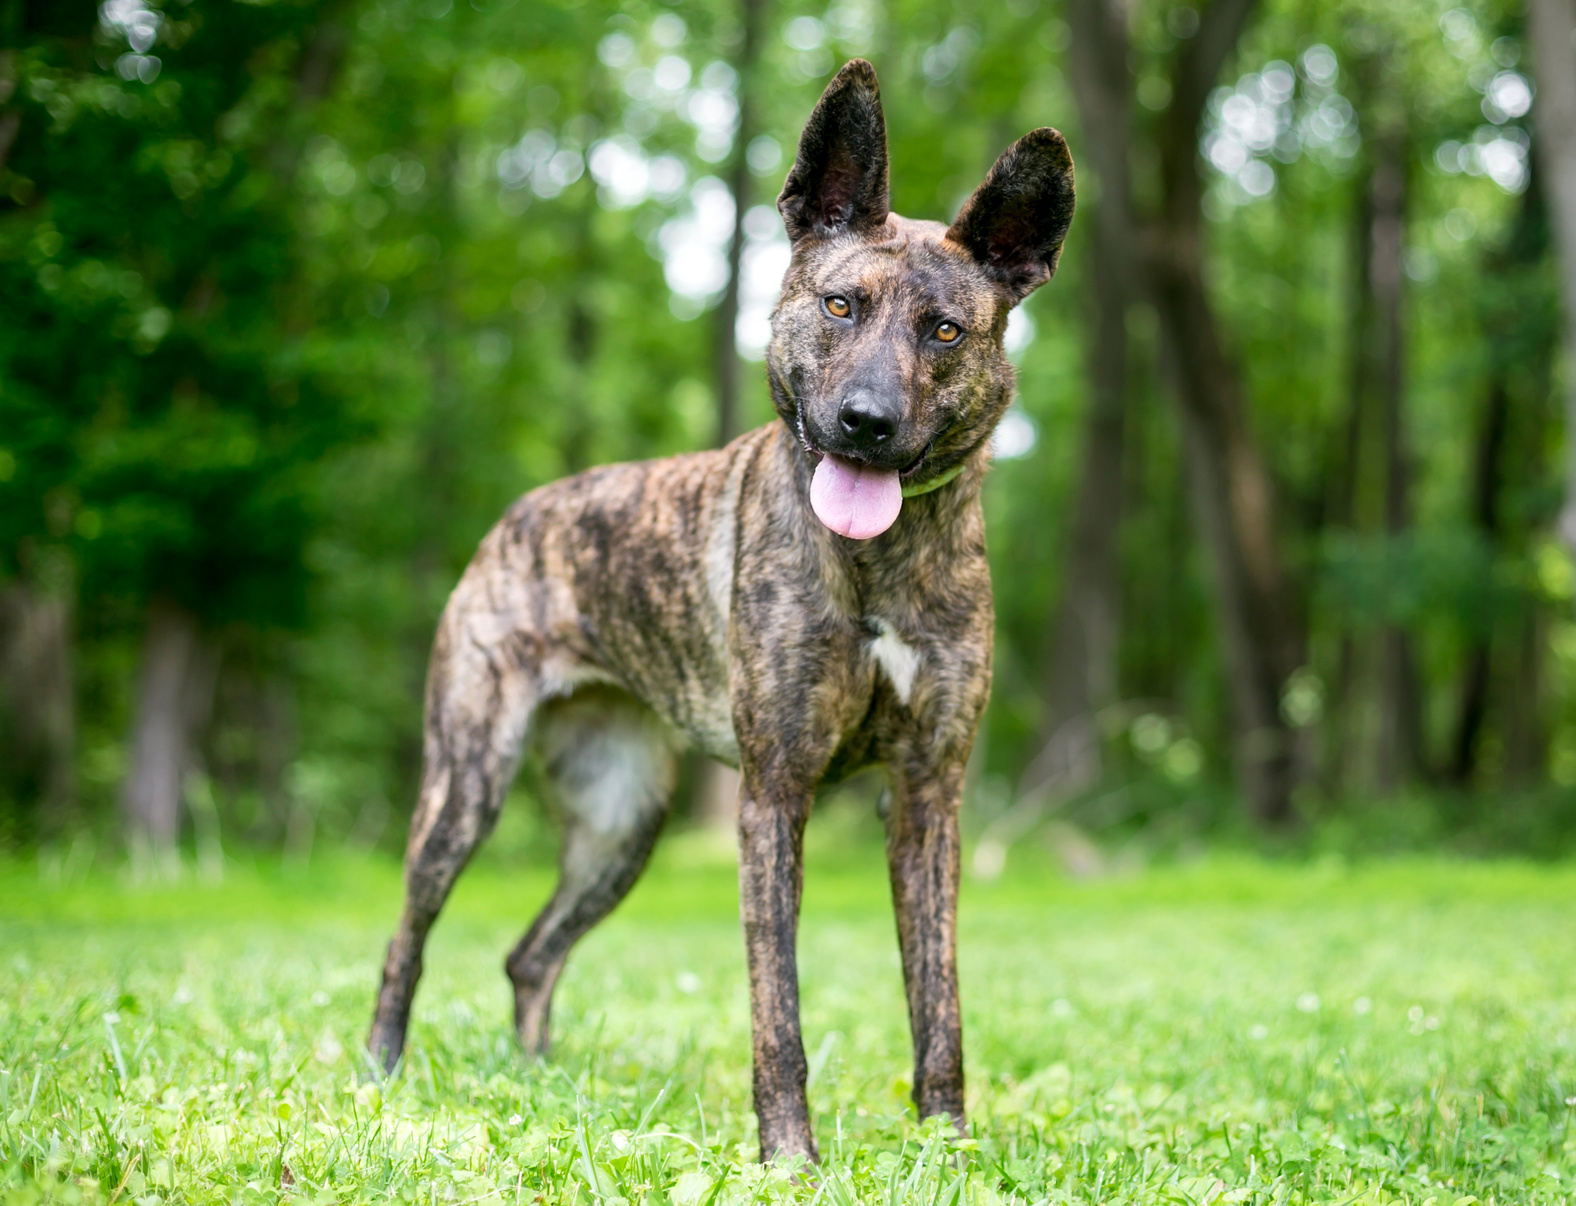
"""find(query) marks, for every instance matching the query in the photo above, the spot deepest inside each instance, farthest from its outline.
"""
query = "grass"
(1222, 1032)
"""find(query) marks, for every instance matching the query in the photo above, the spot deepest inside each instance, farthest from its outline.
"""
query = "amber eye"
(948, 332)
(838, 307)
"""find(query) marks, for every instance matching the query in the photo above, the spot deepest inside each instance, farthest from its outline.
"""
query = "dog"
(810, 600)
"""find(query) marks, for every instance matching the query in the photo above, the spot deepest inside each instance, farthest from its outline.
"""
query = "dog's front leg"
(922, 858)
(771, 879)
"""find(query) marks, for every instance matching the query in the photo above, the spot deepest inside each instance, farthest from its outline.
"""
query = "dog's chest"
(896, 660)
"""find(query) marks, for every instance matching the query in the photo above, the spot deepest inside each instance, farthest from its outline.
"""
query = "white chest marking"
(899, 660)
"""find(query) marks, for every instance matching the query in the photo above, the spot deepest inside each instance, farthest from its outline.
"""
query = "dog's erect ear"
(839, 179)
(1015, 222)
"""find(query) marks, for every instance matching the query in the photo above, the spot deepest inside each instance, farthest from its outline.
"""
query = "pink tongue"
(855, 500)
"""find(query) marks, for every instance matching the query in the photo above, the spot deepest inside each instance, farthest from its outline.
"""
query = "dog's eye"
(837, 306)
(948, 332)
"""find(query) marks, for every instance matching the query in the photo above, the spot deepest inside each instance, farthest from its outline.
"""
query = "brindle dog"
(812, 599)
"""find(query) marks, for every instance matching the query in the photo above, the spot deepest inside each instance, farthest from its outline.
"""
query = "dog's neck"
(939, 520)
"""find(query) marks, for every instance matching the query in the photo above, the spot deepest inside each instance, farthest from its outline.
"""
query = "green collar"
(934, 483)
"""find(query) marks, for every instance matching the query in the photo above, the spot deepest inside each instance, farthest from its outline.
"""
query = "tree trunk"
(1345, 473)
(1486, 514)
(1552, 26)
(716, 793)
(1400, 727)
(725, 341)
(1081, 675)
(1501, 442)
(38, 703)
(1232, 495)
(174, 695)
(10, 115)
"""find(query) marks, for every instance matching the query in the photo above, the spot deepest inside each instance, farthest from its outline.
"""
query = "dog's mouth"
(911, 470)
(851, 496)
(816, 453)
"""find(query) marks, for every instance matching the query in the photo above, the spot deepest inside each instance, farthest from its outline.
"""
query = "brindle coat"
(613, 614)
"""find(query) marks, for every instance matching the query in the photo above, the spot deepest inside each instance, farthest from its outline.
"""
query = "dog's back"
(620, 575)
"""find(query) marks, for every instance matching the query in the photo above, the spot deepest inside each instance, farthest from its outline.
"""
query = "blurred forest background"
(296, 296)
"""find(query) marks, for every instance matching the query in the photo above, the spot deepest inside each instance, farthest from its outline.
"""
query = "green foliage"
(157, 430)
(296, 297)
(1228, 1032)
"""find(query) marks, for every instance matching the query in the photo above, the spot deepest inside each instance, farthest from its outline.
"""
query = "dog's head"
(886, 354)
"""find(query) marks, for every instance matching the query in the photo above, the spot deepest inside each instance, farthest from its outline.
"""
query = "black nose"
(868, 418)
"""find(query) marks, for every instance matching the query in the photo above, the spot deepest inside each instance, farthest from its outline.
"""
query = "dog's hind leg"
(611, 762)
(482, 686)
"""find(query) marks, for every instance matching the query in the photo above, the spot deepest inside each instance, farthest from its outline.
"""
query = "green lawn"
(1229, 1031)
